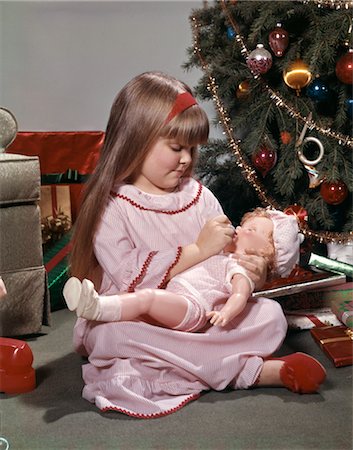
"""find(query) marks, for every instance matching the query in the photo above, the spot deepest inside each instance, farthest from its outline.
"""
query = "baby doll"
(216, 289)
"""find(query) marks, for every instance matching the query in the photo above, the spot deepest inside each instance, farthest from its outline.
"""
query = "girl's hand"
(214, 236)
(255, 265)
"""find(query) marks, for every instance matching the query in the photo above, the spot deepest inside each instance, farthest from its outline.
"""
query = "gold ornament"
(243, 90)
(297, 75)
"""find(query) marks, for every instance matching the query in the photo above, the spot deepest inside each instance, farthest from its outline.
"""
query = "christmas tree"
(280, 76)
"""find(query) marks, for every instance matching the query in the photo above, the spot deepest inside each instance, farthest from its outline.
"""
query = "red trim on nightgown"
(163, 283)
(142, 273)
(153, 415)
(160, 211)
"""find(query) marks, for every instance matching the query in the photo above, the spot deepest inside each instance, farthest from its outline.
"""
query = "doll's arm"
(255, 265)
(235, 303)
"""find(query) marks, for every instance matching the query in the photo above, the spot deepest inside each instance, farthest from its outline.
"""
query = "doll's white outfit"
(206, 287)
(149, 371)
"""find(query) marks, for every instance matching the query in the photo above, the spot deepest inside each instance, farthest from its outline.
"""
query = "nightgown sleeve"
(128, 264)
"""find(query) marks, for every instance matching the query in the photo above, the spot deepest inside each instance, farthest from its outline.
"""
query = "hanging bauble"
(286, 137)
(230, 33)
(243, 89)
(344, 67)
(297, 75)
(333, 192)
(318, 91)
(264, 159)
(278, 40)
(259, 60)
(349, 106)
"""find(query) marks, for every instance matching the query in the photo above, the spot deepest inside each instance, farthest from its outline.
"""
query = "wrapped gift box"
(67, 156)
(343, 309)
(25, 307)
(318, 298)
(301, 279)
(336, 342)
(305, 319)
(56, 265)
(55, 199)
(305, 296)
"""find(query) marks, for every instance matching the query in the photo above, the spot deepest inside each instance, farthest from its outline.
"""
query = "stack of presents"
(42, 176)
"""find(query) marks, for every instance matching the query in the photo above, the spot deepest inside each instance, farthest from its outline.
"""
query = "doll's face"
(255, 233)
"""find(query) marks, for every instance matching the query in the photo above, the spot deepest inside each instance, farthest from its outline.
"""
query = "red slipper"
(301, 373)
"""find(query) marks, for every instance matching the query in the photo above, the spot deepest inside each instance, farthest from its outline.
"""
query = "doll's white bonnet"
(287, 239)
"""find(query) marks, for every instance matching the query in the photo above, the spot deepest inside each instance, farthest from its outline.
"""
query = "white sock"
(92, 306)
(72, 292)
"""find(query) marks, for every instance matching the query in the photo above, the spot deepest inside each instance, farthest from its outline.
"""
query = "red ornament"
(298, 211)
(344, 67)
(259, 60)
(278, 40)
(333, 193)
(264, 160)
(286, 137)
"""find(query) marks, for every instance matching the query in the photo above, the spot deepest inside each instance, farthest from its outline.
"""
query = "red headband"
(182, 102)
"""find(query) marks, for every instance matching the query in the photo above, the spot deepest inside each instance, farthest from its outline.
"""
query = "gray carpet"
(54, 416)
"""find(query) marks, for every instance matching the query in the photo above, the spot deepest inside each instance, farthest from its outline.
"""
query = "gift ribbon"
(54, 201)
(349, 337)
(68, 177)
(317, 322)
(58, 257)
(336, 339)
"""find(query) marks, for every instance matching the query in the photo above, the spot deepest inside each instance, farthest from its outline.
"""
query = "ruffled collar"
(188, 194)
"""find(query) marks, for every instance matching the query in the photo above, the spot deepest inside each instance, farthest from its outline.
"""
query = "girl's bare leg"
(165, 307)
(298, 372)
(270, 374)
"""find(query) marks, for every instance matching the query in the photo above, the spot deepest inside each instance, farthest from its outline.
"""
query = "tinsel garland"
(333, 4)
(246, 169)
(276, 97)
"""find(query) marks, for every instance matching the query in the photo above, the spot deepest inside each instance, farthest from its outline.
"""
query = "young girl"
(200, 292)
(143, 220)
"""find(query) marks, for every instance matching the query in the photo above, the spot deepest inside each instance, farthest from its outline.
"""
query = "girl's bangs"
(190, 128)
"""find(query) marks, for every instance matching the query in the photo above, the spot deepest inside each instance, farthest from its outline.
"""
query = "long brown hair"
(137, 119)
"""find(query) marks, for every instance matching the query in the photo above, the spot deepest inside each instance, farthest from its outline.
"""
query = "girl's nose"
(185, 157)
(237, 229)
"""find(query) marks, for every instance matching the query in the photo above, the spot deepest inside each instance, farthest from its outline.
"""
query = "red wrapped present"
(336, 342)
(60, 153)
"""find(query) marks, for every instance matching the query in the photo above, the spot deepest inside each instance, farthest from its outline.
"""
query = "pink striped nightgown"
(148, 371)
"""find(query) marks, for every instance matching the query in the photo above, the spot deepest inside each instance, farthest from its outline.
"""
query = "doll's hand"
(255, 265)
(219, 317)
(215, 235)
